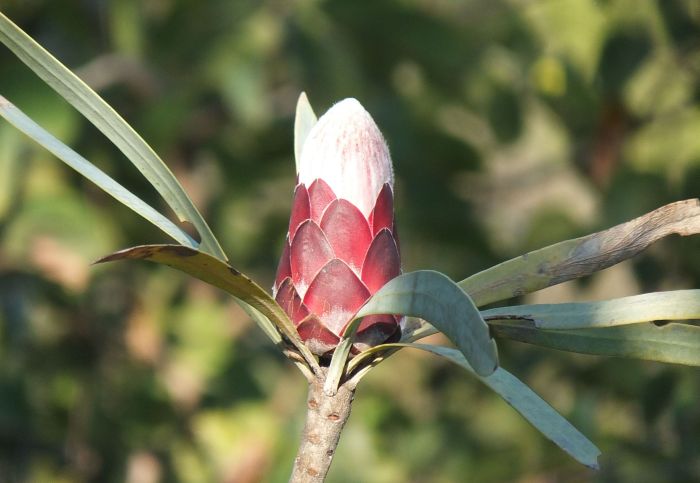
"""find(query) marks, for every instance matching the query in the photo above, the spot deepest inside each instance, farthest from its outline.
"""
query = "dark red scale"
(308, 253)
(300, 209)
(334, 259)
(347, 231)
(320, 196)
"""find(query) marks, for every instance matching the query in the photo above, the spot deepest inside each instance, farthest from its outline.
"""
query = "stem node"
(325, 418)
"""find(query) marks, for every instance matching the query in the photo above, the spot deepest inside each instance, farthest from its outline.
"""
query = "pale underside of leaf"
(25, 124)
(113, 126)
(523, 399)
(672, 343)
(648, 307)
(218, 273)
(336, 369)
(434, 297)
(582, 256)
(304, 120)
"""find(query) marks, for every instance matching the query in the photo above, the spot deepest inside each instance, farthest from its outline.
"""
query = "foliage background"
(512, 124)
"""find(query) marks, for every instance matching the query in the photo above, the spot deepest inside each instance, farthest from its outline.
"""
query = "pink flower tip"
(342, 245)
(346, 149)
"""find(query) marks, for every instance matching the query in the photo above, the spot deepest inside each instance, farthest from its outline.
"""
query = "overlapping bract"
(341, 246)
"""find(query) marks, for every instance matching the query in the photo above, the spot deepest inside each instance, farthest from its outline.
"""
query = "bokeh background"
(512, 124)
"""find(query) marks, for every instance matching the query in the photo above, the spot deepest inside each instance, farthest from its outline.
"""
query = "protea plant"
(339, 291)
(341, 246)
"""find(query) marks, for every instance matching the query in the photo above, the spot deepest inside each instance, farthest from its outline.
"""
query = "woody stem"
(325, 418)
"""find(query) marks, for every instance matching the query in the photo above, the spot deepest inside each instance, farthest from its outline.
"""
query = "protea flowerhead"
(341, 246)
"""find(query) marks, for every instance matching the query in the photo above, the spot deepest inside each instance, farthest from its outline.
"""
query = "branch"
(325, 418)
(581, 256)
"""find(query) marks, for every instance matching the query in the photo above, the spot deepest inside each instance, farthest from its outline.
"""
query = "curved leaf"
(336, 369)
(273, 333)
(304, 120)
(648, 307)
(25, 124)
(434, 297)
(215, 272)
(671, 343)
(582, 256)
(524, 400)
(113, 126)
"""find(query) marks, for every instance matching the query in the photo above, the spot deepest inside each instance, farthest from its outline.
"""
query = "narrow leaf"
(434, 297)
(116, 129)
(215, 272)
(416, 329)
(524, 400)
(303, 122)
(671, 343)
(648, 307)
(25, 124)
(582, 256)
(273, 333)
(263, 322)
(340, 356)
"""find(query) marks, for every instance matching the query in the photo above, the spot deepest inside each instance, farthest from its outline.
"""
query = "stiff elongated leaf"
(303, 122)
(273, 333)
(671, 343)
(215, 272)
(116, 129)
(434, 297)
(336, 369)
(25, 124)
(524, 400)
(648, 307)
(582, 256)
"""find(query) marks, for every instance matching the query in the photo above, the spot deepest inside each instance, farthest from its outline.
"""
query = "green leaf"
(582, 256)
(671, 343)
(116, 129)
(648, 307)
(336, 369)
(218, 273)
(22, 122)
(273, 333)
(303, 122)
(434, 297)
(524, 400)
(263, 322)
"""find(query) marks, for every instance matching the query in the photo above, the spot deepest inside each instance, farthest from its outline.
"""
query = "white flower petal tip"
(346, 149)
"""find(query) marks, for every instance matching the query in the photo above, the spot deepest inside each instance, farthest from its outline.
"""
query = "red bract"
(341, 246)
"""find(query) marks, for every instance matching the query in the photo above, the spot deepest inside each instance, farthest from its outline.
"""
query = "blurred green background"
(512, 124)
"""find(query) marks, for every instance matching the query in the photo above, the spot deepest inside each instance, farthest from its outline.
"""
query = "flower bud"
(341, 246)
